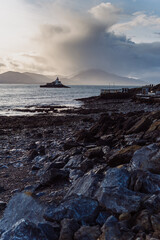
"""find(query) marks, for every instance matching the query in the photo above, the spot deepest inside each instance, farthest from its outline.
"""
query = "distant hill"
(23, 78)
(89, 77)
(99, 77)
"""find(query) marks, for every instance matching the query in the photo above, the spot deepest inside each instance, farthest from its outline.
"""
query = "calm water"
(20, 96)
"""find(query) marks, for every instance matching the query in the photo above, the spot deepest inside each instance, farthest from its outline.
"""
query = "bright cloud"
(46, 37)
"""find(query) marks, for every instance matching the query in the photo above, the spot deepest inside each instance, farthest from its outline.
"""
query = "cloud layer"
(65, 41)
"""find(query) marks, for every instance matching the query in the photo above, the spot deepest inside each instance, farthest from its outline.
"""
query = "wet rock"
(80, 209)
(22, 206)
(94, 153)
(123, 156)
(69, 227)
(24, 230)
(51, 231)
(147, 158)
(87, 233)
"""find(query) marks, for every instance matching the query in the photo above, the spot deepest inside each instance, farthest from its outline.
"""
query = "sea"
(19, 96)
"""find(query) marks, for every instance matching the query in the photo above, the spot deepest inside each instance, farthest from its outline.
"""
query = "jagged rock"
(147, 158)
(51, 231)
(69, 227)
(94, 152)
(87, 233)
(142, 125)
(24, 230)
(119, 199)
(113, 193)
(74, 162)
(22, 206)
(86, 185)
(122, 156)
(115, 177)
(80, 209)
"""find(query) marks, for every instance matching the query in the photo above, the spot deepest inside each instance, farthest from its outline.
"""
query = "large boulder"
(22, 206)
(147, 158)
(24, 230)
(119, 199)
(114, 195)
(78, 208)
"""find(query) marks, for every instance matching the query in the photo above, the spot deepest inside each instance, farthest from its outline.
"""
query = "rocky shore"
(90, 173)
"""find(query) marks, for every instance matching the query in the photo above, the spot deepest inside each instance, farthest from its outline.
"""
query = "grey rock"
(80, 209)
(147, 158)
(119, 199)
(116, 177)
(24, 230)
(86, 185)
(22, 206)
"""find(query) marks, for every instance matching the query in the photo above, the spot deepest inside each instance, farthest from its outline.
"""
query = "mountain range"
(88, 77)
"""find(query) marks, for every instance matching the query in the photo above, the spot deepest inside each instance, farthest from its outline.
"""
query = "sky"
(68, 36)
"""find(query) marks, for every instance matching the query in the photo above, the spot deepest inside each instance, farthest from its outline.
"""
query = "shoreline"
(54, 156)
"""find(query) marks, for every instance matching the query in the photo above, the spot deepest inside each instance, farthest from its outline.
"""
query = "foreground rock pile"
(98, 179)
